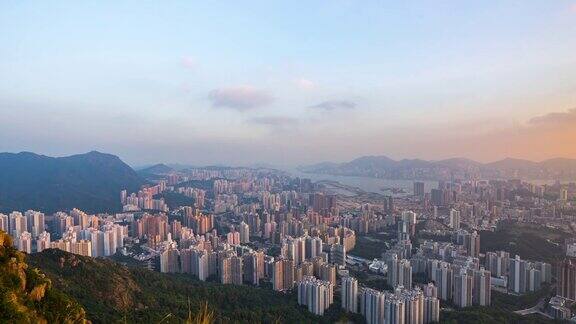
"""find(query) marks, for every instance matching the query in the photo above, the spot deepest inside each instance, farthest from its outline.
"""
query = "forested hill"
(111, 292)
(91, 182)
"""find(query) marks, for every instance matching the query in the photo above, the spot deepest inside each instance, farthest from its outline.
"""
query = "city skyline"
(237, 84)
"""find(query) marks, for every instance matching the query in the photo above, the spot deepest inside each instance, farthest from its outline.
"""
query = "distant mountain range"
(459, 168)
(91, 182)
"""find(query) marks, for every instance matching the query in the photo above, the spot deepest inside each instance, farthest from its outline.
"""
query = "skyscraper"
(463, 284)
(349, 294)
(497, 263)
(318, 295)
(25, 242)
(283, 275)
(517, 275)
(455, 219)
(399, 272)
(244, 230)
(482, 291)
(567, 279)
(169, 261)
(338, 254)
(372, 305)
(43, 241)
(431, 310)
(419, 189)
(4, 226)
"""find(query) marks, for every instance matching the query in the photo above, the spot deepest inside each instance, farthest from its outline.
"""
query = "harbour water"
(374, 185)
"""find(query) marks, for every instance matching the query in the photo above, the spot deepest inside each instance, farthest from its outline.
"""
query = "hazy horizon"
(289, 84)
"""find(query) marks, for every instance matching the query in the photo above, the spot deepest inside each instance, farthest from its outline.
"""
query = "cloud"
(305, 84)
(277, 123)
(554, 118)
(335, 105)
(274, 121)
(573, 8)
(240, 98)
(189, 62)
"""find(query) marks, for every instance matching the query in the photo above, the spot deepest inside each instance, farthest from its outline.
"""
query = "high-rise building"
(338, 254)
(399, 272)
(318, 295)
(236, 269)
(253, 267)
(4, 224)
(25, 242)
(372, 305)
(18, 224)
(394, 310)
(43, 241)
(517, 275)
(470, 241)
(313, 247)
(481, 287)
(419, 189)
(497, 263)
(566, 270)
(233, 238)
(413, 306)
(455, 219)
(431, 310)
(444, 278)
(97, 239)
(564, 194)
(35, 222)
(349, 293)
(328, 273)
(82, 247)
(110, 242)
(283, 275)
(244, 230)
(463, 284)
(169, 261)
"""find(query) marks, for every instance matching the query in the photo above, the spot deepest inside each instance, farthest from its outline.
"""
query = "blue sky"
(287, 82)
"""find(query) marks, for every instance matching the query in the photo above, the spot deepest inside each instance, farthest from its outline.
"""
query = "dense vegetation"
(532, 242)
(27, 296)
(175, 199)
(371, 246)
(91, 182)
(501, 310)
(111, 292)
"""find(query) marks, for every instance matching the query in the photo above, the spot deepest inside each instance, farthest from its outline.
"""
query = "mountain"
(91, 182)
(111, 292)
(27, 296)
(158, 169)
(385, 167)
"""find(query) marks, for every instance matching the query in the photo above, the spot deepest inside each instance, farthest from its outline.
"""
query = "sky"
(289, 82)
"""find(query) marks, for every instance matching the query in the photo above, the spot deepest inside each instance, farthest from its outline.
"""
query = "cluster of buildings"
(248, 226)
(144, 199)
(409, 306)
(77, 232)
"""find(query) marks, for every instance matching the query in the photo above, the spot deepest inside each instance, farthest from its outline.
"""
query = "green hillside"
(111, 292)
(27, 296)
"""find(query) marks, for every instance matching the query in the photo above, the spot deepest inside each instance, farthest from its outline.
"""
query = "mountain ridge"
(91, 181)
(381, 166)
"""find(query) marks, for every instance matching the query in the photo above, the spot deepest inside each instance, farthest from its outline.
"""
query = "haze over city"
(259, 81)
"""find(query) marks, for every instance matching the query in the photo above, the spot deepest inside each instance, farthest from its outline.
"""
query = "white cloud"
(335, 105)
(305, 84)
(239, 98)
